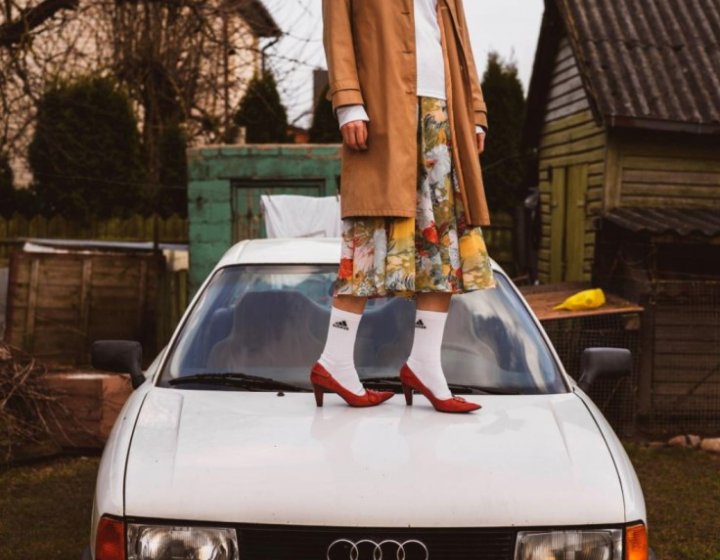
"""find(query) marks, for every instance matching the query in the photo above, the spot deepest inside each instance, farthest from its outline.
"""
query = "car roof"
(299, 250)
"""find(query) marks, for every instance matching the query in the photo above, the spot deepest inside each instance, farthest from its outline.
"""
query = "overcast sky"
(510, 27)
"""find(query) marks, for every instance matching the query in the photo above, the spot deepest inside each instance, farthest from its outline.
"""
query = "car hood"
(246, 457)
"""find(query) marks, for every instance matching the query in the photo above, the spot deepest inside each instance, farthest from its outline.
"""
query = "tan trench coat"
(370, 49)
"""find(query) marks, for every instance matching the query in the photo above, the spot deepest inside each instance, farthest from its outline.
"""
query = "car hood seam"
(609, 450)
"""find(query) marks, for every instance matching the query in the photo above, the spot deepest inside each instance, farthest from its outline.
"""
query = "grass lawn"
(45, 508)
(682, 494)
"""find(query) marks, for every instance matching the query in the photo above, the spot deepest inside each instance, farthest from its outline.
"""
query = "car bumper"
(87, 555)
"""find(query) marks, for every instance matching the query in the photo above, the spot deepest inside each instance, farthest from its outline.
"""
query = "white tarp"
(289, 215)
(176, 254)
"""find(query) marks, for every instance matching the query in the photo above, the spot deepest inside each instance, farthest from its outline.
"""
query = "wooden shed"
(668, 259)
(624, 112)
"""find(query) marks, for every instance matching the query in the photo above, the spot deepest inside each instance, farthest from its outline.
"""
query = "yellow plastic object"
(587, 299)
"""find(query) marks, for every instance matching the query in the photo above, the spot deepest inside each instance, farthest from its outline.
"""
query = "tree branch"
(12, 32)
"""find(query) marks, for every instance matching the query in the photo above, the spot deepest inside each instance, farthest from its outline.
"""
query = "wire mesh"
(675, 383)
(685, 357)
(570, 336)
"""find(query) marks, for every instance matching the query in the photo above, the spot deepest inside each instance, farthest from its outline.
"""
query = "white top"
(430, 62)
(428, 46)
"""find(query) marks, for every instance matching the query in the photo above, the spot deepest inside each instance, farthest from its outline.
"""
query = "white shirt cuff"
(350, 113)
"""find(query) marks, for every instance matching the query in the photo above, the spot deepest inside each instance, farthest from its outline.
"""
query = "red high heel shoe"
(410, 382)
(323, 383)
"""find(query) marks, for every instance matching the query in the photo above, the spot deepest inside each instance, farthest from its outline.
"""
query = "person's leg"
(434, 301)
(337, 357)
(351, 304)
(424, 359)
(436, 262)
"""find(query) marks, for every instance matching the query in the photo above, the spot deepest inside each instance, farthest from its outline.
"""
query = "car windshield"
(270, 321)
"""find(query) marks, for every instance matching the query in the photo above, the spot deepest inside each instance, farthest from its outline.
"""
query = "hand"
(355, 135)
(481, 143)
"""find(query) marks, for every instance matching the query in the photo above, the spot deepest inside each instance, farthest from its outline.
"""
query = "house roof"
(645, 64)
(682, 221)
(258, 18)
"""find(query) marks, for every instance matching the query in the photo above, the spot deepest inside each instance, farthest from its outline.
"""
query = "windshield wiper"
(239, 380)
(392, 382)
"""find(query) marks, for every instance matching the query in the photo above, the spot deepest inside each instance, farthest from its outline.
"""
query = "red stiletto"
(410, 383)
(323, 383)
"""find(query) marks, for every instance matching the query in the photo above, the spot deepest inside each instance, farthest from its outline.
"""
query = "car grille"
(312, 543)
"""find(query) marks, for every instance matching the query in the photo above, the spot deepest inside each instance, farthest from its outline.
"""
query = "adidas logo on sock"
(420, 324)
(341, 325)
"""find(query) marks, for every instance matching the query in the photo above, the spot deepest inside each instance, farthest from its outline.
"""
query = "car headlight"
(594, 544)
(167, 542)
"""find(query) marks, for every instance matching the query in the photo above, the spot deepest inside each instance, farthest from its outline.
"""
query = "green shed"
(225, 185)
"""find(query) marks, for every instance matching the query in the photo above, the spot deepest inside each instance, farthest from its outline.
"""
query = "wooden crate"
(58, 304)
(88, 405)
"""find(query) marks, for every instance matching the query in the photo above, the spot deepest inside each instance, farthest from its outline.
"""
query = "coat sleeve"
(340, 54)
(478, 100)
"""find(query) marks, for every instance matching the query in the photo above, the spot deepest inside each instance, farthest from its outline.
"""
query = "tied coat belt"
(370, 49)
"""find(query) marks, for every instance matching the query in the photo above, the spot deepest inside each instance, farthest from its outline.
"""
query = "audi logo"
(366, 549)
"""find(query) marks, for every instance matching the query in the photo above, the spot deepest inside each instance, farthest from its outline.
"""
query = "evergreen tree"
(86, 155)
(503, 164)
(7, 202)
(324, 129)
(172, 198)
(262, 113)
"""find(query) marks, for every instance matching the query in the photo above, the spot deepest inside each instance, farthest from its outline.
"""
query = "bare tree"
(18, 22)
(36, 46)
(184, 62)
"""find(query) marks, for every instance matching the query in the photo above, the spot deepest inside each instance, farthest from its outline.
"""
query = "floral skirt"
(433, 252)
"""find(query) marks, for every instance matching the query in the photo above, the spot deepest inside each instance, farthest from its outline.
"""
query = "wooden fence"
(135, 228)
(59, 303)
(57, 313)
(499, 239)
(174, 229)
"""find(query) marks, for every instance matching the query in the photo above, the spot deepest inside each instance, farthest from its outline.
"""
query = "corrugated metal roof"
(649, 60)
(683, 221)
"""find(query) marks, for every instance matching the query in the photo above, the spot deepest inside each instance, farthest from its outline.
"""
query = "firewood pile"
(28, 409)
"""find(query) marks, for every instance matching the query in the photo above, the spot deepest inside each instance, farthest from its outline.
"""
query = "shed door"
(248, 222)
(567, 235)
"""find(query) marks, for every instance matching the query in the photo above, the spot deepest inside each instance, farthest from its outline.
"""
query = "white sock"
(337, 357)
(424, 357)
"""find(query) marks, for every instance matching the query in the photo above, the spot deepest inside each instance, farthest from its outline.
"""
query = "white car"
(221, 453)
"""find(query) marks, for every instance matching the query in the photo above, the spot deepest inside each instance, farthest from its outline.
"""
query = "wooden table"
(543, 298)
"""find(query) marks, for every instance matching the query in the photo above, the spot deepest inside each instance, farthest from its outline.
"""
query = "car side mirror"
(119, 356)
(606, 363)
